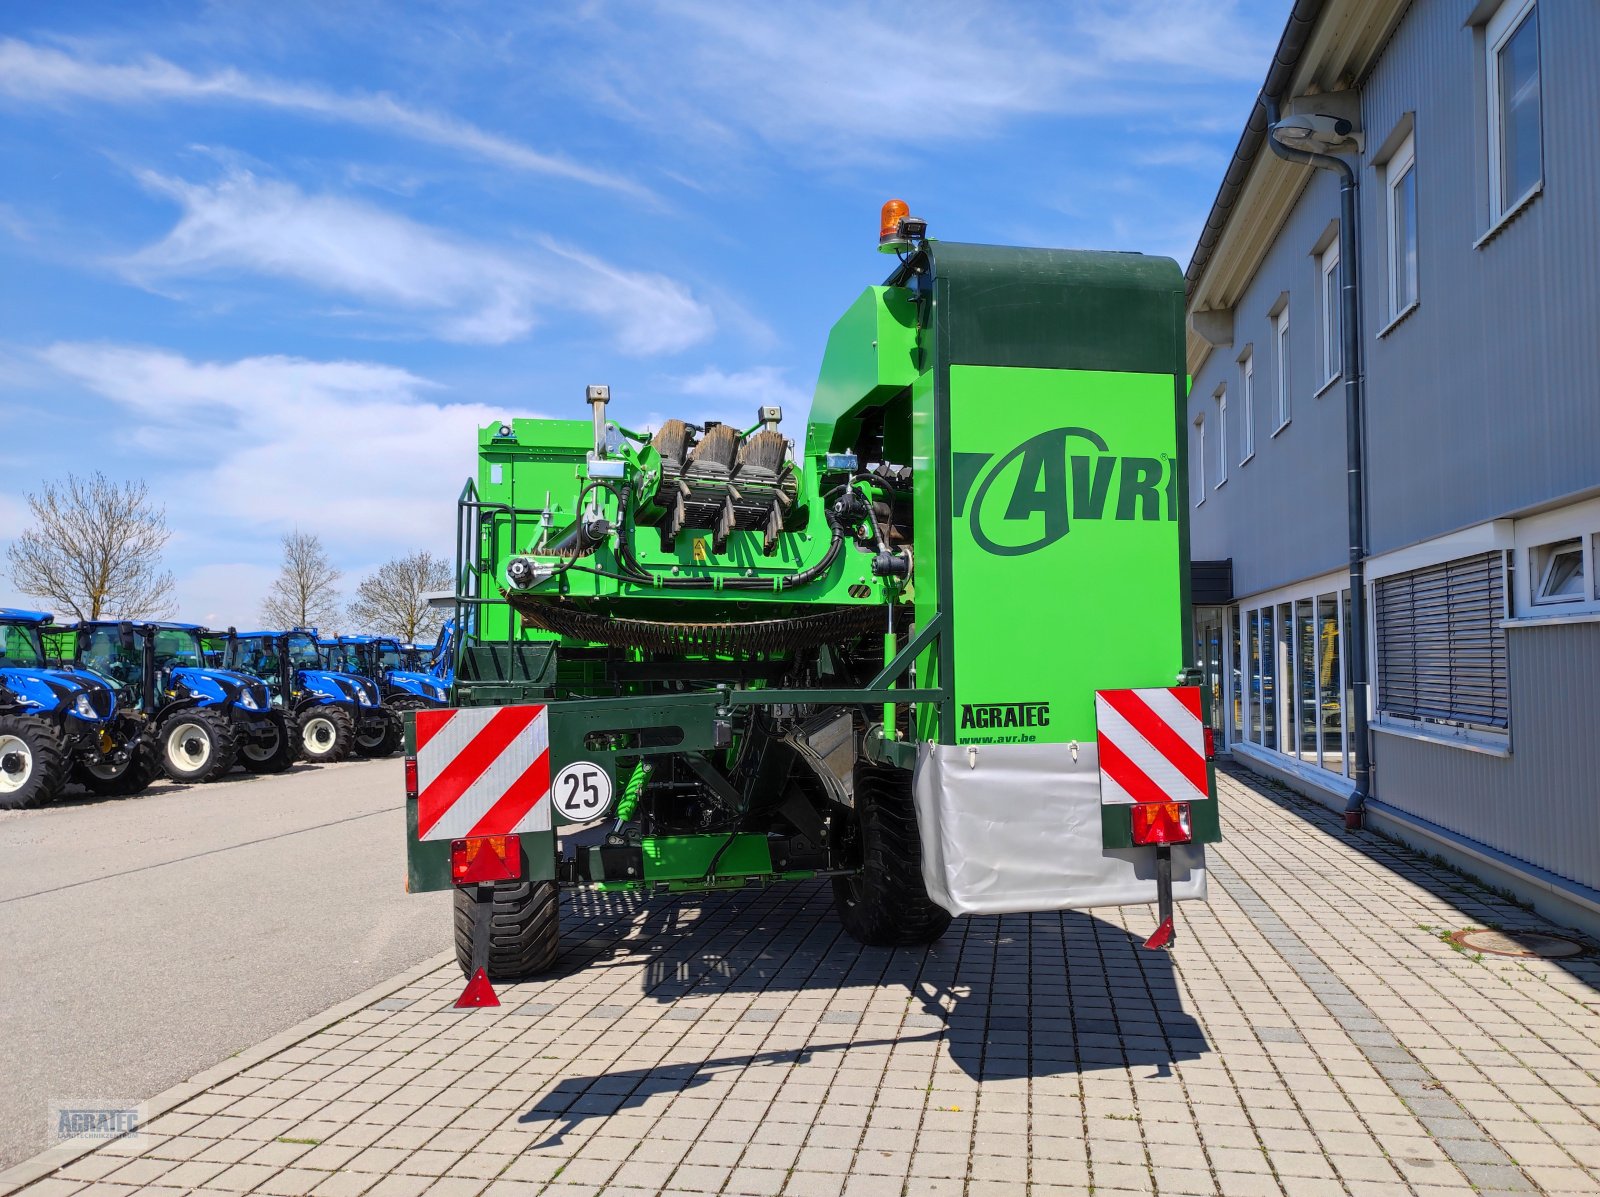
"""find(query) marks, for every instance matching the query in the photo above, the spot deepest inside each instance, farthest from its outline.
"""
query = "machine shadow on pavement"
(1007, 996)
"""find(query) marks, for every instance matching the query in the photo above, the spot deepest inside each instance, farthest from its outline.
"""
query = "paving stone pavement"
(1312, 1033)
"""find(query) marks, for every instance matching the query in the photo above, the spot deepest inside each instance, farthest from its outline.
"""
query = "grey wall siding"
(1281, 515)
(1542, 803)
(1486, 399)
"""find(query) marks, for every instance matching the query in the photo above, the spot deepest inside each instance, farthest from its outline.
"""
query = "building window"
(1291, 679)
(1247, 408)
(1558, 572)
(1441, 652)
(1222, 436)
(1236, 721)
(1332, 349)
(1280, 341)
(1199, 459)
(1516, 163)
(1400, 189)
(1267, 693)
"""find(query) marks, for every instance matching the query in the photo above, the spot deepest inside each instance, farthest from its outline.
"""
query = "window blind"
(1441, 650)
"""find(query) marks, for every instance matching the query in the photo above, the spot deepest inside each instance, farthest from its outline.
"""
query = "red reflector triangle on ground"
(1161, 938)
(477, 993)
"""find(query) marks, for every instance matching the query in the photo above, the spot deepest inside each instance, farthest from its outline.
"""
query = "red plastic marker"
(477, 993)
(1161, 938)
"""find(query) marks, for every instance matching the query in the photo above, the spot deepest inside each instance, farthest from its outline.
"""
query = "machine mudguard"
(1012, 828)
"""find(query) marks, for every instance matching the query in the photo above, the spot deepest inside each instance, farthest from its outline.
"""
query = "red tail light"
(485, 858)
(411, 777)
(1211, 743)
(1161, 823)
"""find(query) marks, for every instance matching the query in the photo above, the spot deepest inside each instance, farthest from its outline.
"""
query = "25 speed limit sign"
(582, 791)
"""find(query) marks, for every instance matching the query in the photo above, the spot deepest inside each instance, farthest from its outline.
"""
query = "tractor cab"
(58, 723)
(199, 719)
(385, 659)
(338, 712)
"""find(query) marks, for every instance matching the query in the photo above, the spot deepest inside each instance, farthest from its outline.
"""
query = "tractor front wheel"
(382, 738)
(198, 745)
(133, 776)
(274, 751)
(33, 765)
(886, 904)
(524, 928)
(327, 734)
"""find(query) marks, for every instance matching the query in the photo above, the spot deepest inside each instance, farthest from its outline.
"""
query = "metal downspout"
(1350, 317)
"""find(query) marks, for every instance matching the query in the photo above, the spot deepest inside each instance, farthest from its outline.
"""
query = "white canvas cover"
(1015, 828)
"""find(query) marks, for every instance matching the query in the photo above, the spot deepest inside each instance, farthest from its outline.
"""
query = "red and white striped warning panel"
(1152, 745)
(482, 771)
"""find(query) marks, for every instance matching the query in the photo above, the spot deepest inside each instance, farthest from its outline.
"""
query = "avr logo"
(1026, 500)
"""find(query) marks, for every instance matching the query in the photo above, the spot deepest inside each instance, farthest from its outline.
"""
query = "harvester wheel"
(133, 776)
(198, 745)
(886, 904)
(33, 764)
(327, 734)
(385, 739)
(524, 928)
(275, 753)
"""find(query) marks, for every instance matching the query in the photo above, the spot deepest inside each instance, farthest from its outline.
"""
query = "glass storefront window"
(1330, 684)
(1344, 622)
(1269, 673)
(1286, 662)
(1305, 679)
(1285, 675)
(1208, 655)
(1235, 723)
(1253, 688)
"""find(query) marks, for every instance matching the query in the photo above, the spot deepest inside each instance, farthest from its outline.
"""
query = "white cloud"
(755, 386)
(33, 73)
(467, 291)
(224, 594)
(855, 80)
(361, 453)
(733, 397)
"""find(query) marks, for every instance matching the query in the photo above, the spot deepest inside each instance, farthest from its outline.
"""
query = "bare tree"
(94, 550)
(304, 594)
(394, 601)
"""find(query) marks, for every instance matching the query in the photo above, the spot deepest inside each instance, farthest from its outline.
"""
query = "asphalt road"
(146, 939)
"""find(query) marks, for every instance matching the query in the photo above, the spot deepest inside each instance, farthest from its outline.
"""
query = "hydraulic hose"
(633, 791)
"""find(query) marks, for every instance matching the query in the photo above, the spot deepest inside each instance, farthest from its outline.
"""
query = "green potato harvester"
(940, 655)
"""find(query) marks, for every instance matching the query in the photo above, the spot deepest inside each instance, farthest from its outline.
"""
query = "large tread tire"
(33, 762)
(142, 768)
(524, 928)
(887, 904)
(327, 734)
(394, 734)
(197, 745)
(285, 754)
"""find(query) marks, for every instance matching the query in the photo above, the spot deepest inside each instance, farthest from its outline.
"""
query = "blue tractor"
(337, 713)
(59, 723)
(200, 719)
(383, 658)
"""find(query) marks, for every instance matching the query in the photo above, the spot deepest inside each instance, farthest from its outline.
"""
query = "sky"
(281, 259)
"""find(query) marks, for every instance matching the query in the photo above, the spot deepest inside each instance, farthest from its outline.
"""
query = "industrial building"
(1469, 131)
